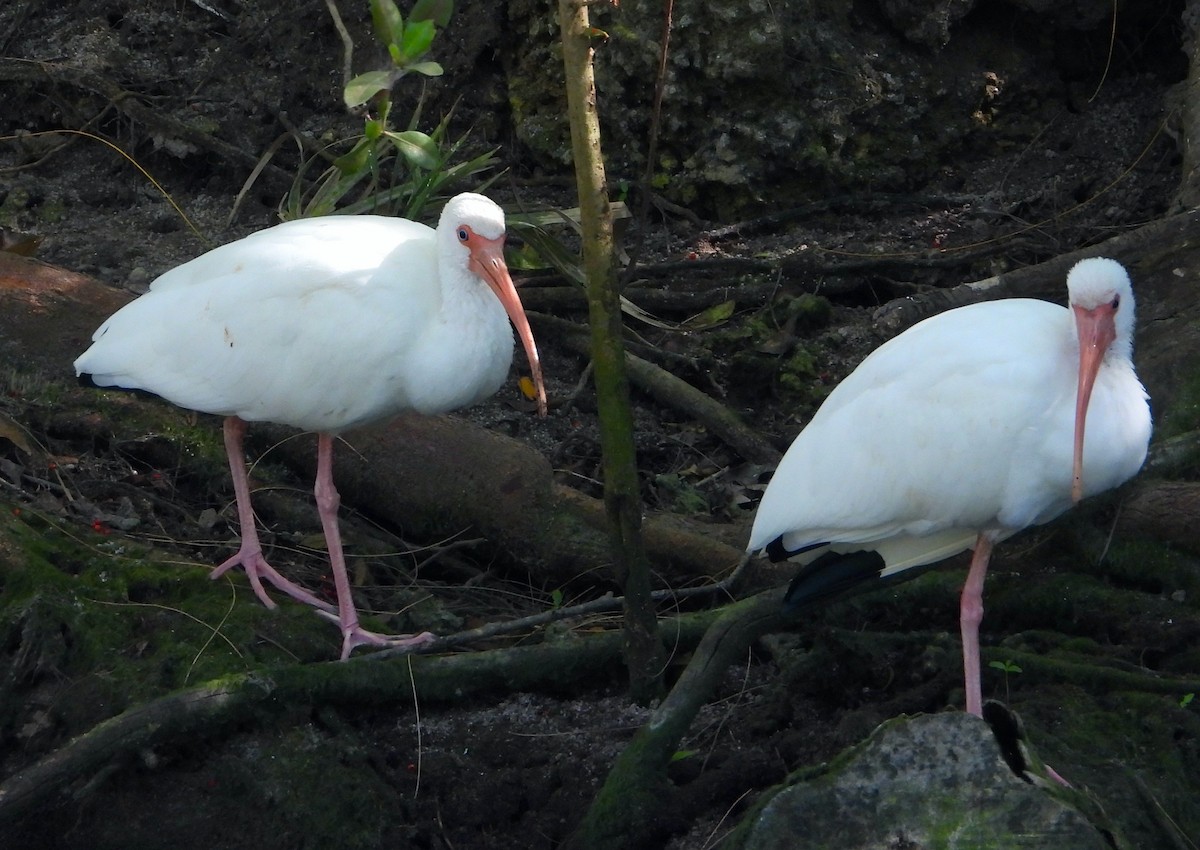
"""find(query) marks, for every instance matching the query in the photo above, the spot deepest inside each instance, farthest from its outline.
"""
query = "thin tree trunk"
(643, 651)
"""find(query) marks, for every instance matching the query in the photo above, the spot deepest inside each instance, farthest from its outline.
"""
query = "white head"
(1099, 282)
(480, 213)
(1101, 300)
(470, 238)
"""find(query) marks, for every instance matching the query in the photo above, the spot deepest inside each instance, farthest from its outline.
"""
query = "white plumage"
(324, 324)
(959, 433)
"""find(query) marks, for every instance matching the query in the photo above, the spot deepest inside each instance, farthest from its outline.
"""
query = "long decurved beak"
(487, 261)
(1096, 329)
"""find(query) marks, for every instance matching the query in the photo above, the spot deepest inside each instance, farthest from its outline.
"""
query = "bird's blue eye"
(462, 234)
(1116, 302)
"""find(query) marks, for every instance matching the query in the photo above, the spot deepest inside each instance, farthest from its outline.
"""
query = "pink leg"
(328, 502)
(249, 554)
(970, 616)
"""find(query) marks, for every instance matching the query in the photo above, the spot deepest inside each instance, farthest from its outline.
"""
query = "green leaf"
(365, 86)
(417, 39)
(713, 316)
(356, 160)
(332, 187)
(417, 148)
(429, 69)
(438, 11)
(389, 23)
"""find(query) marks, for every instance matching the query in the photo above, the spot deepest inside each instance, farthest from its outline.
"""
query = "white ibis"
(324, 324)
(957, 434)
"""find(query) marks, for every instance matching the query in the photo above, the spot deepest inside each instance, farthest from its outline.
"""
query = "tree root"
(209, 710)
(625, 810)
(434, 476)
(1163, 510)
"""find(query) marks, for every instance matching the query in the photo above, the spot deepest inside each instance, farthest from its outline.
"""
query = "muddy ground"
(123, 482)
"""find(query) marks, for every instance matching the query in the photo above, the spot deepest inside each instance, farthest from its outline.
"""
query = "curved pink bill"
(487, 261)
(1096, 329)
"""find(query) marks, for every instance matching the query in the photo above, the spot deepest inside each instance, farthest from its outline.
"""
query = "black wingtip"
(831, 574)
(85, 380)
(777, 552)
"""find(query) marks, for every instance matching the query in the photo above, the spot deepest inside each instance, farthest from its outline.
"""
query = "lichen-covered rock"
(935, 781)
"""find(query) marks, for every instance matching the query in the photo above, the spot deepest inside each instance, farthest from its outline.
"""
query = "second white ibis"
(324, 324)
(957, 434)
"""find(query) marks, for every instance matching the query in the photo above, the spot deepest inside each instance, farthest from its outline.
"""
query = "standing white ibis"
(957, 434)
(324, 324)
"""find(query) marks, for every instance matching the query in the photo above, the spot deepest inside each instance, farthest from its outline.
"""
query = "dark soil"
(519, 769)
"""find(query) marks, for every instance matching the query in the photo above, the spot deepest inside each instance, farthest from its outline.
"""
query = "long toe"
(359, 636)
(356, 635)
(257, 569)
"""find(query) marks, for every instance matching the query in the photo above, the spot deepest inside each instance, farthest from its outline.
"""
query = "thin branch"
(347, 42)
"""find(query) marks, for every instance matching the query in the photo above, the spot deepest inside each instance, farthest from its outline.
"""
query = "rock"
(928, 781)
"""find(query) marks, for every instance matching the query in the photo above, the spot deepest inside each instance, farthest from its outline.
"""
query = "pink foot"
(251, 558)
(249, 554)
(355, 635)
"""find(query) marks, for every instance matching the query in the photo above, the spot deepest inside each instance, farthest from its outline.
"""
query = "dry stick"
(604, 605)
(347, 42)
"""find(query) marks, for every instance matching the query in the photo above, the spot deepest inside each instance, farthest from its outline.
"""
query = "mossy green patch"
(122, 625)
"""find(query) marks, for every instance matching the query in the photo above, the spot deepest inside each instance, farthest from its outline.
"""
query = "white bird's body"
(344, 330)
(962, 423)
(324, 324)
(959, 431)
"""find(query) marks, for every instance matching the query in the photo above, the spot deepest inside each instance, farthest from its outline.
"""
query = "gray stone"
(934, 781)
